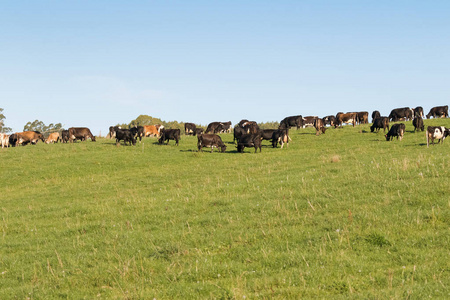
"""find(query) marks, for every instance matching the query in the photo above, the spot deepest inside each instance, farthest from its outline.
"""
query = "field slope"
(341, 215)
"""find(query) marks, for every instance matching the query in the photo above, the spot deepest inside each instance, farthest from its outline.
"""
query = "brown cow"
(52, 138)
(80, 133)
(345, 118)
(26, 137)
(363, 117)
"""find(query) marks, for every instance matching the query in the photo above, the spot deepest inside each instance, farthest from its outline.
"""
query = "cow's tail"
(428, 138)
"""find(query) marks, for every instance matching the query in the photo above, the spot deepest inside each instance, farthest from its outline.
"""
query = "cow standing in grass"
(210, 140)
(436, 133)
(396, 130)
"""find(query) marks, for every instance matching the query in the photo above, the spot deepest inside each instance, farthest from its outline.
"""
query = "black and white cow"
(396, 130)
(438, 112)
(292, 121)
(437, 133)
(280, 136)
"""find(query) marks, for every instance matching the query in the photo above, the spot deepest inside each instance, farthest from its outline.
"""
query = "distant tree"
(41, 127)
(3, 128)
(269, 125)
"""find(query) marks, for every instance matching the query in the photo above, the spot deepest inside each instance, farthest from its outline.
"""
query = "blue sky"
(99, 63)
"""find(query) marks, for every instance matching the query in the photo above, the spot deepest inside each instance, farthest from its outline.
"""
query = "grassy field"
(341, 215)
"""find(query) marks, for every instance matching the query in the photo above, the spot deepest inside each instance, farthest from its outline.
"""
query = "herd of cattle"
(247, 133)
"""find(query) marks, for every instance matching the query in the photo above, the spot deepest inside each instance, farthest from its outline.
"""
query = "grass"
(341, 215)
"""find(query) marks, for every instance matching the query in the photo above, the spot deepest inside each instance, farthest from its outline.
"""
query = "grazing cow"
(362, 117)
(280, 136)
(26, 137)
(438, 112)
(210, 140)
(64, 136)
(437, 133)
(319, 125)
(112, 131)
(226, 127)
(398, 114)
(418, 111)
(80, 133)
(375, 114)
(52, 138)
(418, 123)
(380, 122)
(4, 140)
(346, 118)
(198, 131)
(127, 135)
(189, 128)
(309, 121)
(238, 132)
(329, 120)
(249, 140)
(214, 127)
(169, 134)
(292, 121)
(396, 130)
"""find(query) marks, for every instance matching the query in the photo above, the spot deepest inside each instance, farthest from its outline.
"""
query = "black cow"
(266, 134)
(249, 140)
(189, 128)
(214, 127)
(169, 134)
(380, 122)
(13, 139)
(64, 136)
(210, 140)
(375, 114)
(198, 131)
(127, 135)
(226, 127)
(418, 111)
(438, 112)
(418, 123)
(437, 133)
(398, 114)
(280, 136)
(238, 132)
(80, 133)
(292, 121)
(396, 130)
(112, 131)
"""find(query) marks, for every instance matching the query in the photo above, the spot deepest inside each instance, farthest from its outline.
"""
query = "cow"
(396, 130)
(249, 140)
(418, 123)
(80, 133)
(280, 136)
(346, 118)
(4, 140)
(375, 114)
(398, 114)
(210, 140)
(13, 139)
(112, 131)
(418, 111)
(64, 136)
(189, 128)
(26, 137)
(148, 130)
(52, 138)
(380, 122)
(266, 134)
(251, 127)
(214, 127)
(329, 120)
(169, 134)
(238, 132)
(362, 117)
(436, 133)
(226, 127)
(292, 121)
(127, 135)
(319, 125)
(198, 131)
(438, 112)
(309, 121)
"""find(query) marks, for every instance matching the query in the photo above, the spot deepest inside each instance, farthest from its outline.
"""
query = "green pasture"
(342, 215)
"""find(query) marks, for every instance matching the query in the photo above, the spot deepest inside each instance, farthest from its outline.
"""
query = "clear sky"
(99, 63)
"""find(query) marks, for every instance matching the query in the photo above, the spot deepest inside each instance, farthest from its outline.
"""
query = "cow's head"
(93, 138)
(223, 148)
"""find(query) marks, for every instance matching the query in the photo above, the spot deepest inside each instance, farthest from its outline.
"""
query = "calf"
(249, 140)
(169, 134)
(210, 140)
(280, 136)
(127, 135)
(380, 122)
(418, 123)
(436, 133)
(396, 130)
(52, 138)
